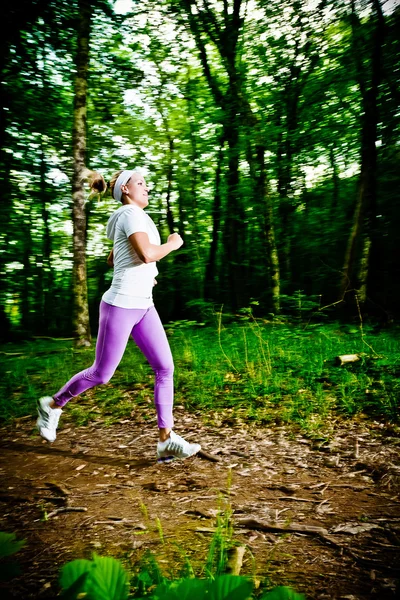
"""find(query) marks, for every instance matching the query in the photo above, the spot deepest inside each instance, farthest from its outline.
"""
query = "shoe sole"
(167, 459)
(41, 415)
(42, 436)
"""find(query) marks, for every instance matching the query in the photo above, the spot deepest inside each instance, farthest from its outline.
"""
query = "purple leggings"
(115, 326)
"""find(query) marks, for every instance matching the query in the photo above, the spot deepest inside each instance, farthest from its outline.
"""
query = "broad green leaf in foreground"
(105, 579)
(282, 593)
(224, 587)
(108, 580)
(9, 544)
(75, 590)
(230, 587)
(73, 571)
(186, 589)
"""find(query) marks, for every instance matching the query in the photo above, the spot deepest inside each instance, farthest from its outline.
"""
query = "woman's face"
(136, 191)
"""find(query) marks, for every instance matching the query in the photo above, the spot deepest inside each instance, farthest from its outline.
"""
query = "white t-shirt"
(133, 280)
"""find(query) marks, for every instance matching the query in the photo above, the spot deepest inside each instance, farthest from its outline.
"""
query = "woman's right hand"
(175, 240)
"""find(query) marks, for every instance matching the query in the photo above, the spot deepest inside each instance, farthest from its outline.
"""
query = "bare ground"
(320, 515)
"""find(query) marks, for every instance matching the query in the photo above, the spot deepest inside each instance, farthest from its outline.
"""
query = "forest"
(267, 131)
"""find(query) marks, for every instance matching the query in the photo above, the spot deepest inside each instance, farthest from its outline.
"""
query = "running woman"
(127, 309)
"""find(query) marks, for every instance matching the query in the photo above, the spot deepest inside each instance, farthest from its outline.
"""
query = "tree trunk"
(234, 222)
(170, 167)
(335, 181)
(81, 309)
(211, 270)
(5, 214)
(45, 272)
(225, 37)
(269, 234)
(284, 185)
(360, 243)
(26, 303)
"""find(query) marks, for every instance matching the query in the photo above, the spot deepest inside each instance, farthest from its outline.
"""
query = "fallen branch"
(275, 528)
(63, 509)
(62, 491)
(320, 532)
(296, 499)
(207, 456)
(352, 486)
(197, 513)
(55, 499)
(186, 499)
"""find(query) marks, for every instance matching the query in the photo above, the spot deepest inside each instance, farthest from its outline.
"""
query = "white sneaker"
(175, 447)
(48, 418)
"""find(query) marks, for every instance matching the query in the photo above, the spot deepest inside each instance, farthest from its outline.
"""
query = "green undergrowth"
(107, 578)
(258, 371)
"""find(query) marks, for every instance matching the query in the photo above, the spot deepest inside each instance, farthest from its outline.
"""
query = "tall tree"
(81, 308)
(223, 31)
(357, 257)
(221, 28)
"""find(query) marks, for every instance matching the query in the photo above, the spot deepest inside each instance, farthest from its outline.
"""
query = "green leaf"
(73, 571)
(9, 544)
(104, 578)
(76, 589)
(108, 580)
(282, 593)
(230, 587)
(186, 589)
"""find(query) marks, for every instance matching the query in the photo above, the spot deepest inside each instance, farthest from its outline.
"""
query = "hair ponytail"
(95, 180)
(98, 184)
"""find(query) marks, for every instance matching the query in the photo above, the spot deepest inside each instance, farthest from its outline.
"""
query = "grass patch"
(260, 372)
(108, 578)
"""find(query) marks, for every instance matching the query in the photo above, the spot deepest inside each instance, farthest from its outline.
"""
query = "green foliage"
(282, 593)
(255, 370)
(222, 539)
(154, 102)
(93, 580)
(102, 578)
(148, 576)
(300, 305)
(223, 587)
(9, 545)
(105, 579)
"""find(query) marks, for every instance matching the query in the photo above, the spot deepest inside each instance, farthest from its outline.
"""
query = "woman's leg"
(151, 338)
(115, 326)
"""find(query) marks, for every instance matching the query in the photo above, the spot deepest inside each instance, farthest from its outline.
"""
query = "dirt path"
(348, 488)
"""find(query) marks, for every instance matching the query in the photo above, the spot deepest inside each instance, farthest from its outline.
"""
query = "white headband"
(122, 180)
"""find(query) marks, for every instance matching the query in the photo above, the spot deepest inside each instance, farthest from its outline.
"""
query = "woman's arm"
(110, 258)
(148, 252)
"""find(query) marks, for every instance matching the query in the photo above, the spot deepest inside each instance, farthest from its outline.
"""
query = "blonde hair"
(98, 184)
(96, 181)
